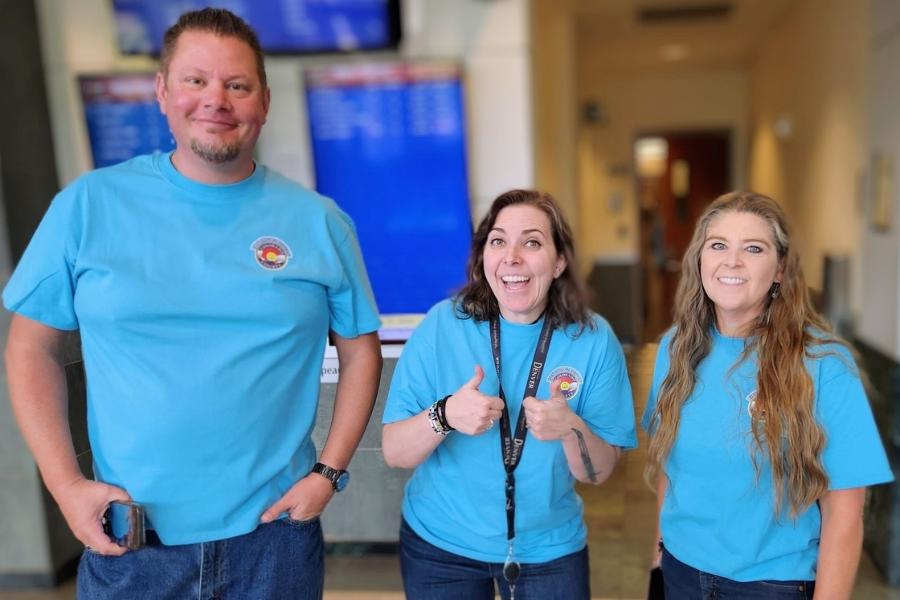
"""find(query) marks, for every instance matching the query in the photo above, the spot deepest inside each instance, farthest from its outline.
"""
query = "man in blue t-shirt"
(204, 287)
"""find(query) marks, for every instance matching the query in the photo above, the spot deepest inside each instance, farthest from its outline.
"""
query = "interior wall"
(880, 248)
(810, 74)
(633, 103)
(491, 40)
(555, 105)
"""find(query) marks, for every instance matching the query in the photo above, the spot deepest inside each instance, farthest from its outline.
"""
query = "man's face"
(214, 101)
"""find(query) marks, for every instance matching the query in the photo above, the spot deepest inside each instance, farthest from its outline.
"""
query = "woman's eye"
(717, 246)
(495, 242)
(532, 244)
(754, 249)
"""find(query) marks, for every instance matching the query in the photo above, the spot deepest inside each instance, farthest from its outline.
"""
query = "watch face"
(342, 481)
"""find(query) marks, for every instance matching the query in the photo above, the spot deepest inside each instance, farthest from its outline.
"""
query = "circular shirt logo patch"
(569, 378)
(752, 409)
(271, 253)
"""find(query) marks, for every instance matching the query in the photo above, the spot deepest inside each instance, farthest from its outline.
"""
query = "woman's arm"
(840, 543)
(407, 443)
(590, 459)
(657, 540)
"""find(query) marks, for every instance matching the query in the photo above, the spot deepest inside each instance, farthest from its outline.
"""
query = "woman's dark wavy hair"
(567, 299)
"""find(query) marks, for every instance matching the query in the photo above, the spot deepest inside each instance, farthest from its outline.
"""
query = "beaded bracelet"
(437, 418)
(442, 413)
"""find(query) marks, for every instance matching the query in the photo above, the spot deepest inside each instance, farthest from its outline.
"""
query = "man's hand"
(306, 499)
(471, 412)
(549, 419)
(83, 503)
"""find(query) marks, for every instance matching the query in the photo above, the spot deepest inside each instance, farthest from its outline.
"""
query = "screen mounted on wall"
(283, 26)
(122, 117)
(388, 145)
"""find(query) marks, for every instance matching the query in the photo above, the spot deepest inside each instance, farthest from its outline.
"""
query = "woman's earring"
(776, 287)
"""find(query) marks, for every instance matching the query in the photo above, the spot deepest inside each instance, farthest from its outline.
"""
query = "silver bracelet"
(435, 422)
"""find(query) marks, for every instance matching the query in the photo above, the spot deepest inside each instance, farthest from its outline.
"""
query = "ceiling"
(692, 32)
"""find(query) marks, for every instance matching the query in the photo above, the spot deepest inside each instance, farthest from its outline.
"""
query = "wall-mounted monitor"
(123, 117)
(283, 26)
(388, 144)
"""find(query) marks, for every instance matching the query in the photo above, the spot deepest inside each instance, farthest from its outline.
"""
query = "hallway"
(619, 516)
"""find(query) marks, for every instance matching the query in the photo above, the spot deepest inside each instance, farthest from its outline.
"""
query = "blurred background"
(414, 114)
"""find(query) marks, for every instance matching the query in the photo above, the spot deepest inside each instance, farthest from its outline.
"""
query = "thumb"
(556, 391)
(117, 494)
(477, 378)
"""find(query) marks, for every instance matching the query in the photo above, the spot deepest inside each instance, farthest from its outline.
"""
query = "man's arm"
(360, 372)
(37, 388)
(840, 543)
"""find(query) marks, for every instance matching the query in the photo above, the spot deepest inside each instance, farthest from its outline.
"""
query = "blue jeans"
(687, 583)
(282, 559)
(430, 573)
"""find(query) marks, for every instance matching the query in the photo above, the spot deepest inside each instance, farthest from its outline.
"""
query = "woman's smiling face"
(521, 262)
(738, 265)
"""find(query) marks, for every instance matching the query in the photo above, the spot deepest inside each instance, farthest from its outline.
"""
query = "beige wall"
(812, 69)
(553, 97)
(634, 103)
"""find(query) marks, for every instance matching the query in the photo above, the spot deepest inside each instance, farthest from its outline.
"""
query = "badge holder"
(511, 569)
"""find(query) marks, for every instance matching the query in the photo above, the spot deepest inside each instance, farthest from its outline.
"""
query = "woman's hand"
(471, 412)
(550, 419)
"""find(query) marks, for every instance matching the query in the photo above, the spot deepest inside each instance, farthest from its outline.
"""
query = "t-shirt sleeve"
(608, 408)
(352, 304)
(854, 455)
(660, 370)
(42, 287)
(412, 384)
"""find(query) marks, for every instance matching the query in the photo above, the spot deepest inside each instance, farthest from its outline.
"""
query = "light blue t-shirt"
(715, 516)
(203, 312)
(455, 499)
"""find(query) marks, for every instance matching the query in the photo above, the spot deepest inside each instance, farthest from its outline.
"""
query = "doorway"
(678, 174)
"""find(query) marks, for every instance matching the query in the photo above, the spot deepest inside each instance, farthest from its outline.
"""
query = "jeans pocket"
(785, 589)
(304, 524)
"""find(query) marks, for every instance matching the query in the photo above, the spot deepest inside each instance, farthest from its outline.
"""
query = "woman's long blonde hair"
(782, 337)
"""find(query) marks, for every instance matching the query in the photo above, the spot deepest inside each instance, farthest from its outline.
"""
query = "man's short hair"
(217, 21)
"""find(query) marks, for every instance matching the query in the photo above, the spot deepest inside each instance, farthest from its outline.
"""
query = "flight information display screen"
(388, 144)
(283, 26)
(123, 118)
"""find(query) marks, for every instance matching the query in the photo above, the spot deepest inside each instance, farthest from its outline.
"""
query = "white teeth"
(514, 278)
(731, 280)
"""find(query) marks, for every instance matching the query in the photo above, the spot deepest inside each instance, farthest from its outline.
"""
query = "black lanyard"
(511, 446)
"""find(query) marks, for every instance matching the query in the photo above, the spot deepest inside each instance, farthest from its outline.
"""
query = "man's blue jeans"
(430, 573)
(282, 559)
(687, 583)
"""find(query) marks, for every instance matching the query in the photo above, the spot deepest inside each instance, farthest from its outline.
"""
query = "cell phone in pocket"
(123, 522)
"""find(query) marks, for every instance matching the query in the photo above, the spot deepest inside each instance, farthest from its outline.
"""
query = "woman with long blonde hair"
(762, 439)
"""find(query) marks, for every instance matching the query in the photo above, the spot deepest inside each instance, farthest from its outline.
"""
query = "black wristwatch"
(338, 479)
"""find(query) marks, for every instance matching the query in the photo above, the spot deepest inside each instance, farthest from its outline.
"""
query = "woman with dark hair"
(496, 503)
(762, 437)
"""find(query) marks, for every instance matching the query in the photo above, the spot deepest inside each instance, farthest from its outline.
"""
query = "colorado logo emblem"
(753, 410)
(570, 381)
(271, 253)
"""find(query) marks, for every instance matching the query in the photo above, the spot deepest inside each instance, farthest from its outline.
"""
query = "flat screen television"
(389, 145)
(123, 117)
(283, 26)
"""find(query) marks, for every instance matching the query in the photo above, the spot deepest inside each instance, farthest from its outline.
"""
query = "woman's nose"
(512, 255)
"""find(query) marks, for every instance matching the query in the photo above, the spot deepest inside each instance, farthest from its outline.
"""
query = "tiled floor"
(620, 518)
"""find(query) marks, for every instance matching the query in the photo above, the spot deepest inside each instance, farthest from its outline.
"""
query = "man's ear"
(162, 94)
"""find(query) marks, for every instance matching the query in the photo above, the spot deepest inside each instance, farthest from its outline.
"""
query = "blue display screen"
(388, 144)
(123, 118)
(282, 25)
